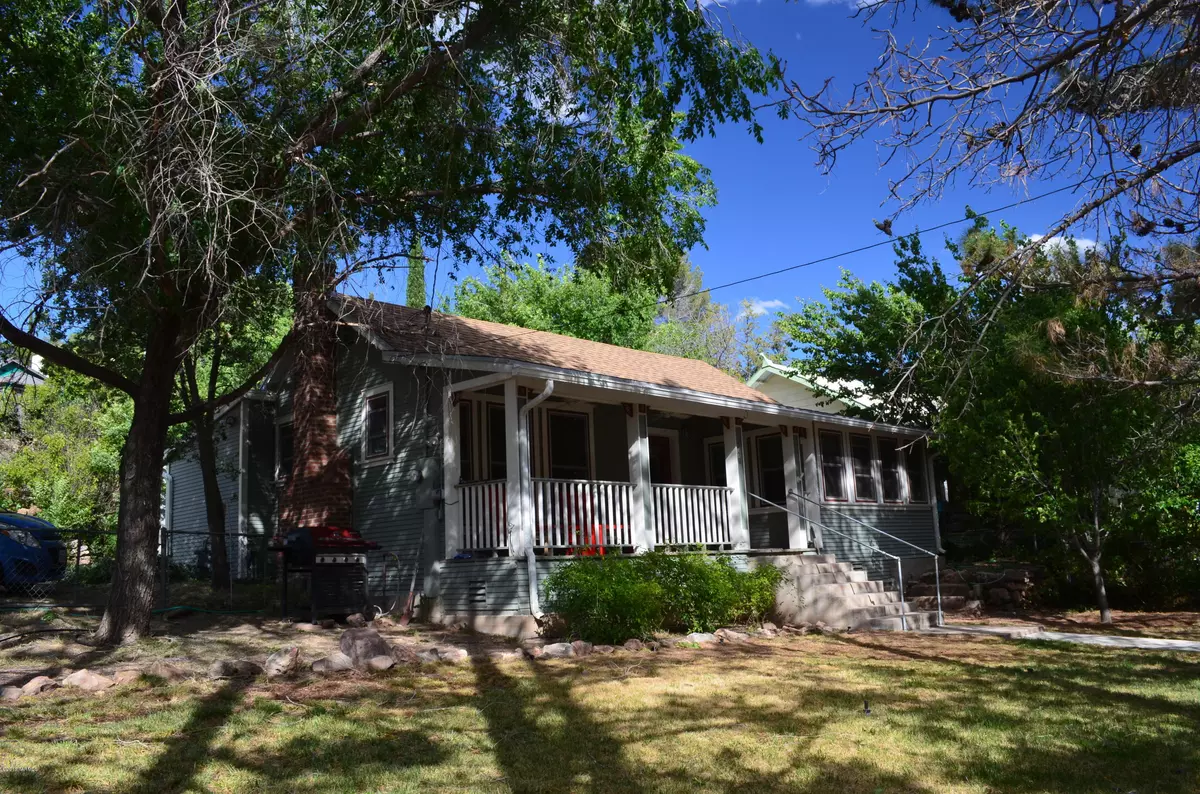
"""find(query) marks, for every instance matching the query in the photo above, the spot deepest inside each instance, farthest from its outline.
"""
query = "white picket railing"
(582, 514)
(688, 515)
(484, 514)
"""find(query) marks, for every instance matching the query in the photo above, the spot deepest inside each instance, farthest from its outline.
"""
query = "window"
(570, 451)
(285, 450)
(771, 483)
(914, 466)
(466, 441)
(377, 422)
(716, 462)
(662, 466)
(861, 460)
(833, 464)
(497, 447)
(889, 469)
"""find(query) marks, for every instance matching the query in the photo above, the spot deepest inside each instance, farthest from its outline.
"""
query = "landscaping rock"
(335, 662)
(732, 635)
(534, 651)
(505, 654)
(701, 638)
(972, 607)
(363, 644)
(88, 681)
(305, 626)
(605, 649)
(356, 620)
(582, 648)
(328, 623)
(239, 668)
(384, 622)
(558, 650)
(166, 671)
(653, 645)
(282, 662)
(429, 656)
(123, 677)
(41, 683)
(453, 655)
(633, 645)
(380, 663)
(999, 595)
(11, 693)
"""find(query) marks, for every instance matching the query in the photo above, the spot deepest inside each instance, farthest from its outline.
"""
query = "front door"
(662, 469)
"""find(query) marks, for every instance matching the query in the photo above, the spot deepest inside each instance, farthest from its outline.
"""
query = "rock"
(582, 648)
(88, 681)
(972, 607)
(505, 654)
(239, 668)
(453, 655)
(534, 651)
(999, 595)
(558, 650)
(800, 630)
(123, 677)
(404, 654)
(363, 644)
(356, 621)
(769, 626)
(328, 623)
(532, 642)
(701, 638)
(166, 671)
(732, 635)
(305, 626)
(11, 693)
(380, 663)
(429, 656)
(653, 645)
(605, 649)
(820, 627)
(41, 683)
(384, 622)
(633, 645)
(335, 662)
(282, 662)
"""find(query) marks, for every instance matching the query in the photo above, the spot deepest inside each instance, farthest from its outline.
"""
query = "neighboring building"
(508, 450)
(785, 385)
(15, 376)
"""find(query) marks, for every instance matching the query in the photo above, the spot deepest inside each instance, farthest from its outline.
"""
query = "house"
(786, 385)
(510, 450)
(15, 376)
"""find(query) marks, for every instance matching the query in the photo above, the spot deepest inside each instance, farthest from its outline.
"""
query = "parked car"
(32, 553)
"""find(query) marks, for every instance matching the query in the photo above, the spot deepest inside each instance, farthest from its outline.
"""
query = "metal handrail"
(937, 576)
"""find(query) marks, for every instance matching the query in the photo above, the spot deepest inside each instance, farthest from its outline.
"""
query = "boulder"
(605, 649)
(305, 626)
(732, 635)
(558, 650)
(233, 668)
(88, 681)
(701, 638)
(999, 595)
(282, 662)
(505, 654)
(653, 645)
(380, 663)
(41, 683)
(356, 620)
(453, 655)
(534, 651)
(384, 622)
(582, 648)
(328, 623)
(11, 693)
(429, 655)
(633, 645)
(335, 662)
(166, 671)
(769, 626)
(123, 677)
(363, 644)
(404, 654)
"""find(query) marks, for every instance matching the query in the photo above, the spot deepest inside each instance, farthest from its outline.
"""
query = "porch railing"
(484, 514)
(689, 515)
(582, 514)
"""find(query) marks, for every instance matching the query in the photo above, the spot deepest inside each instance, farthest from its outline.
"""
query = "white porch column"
(735, 478)
(812, 484)
(642, 509)
(512, 463)
(451, 474)
(797, 531)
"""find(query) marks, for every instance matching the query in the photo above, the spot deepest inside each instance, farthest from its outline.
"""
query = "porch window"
(715, 450)
(466, 441)
(833, 465)
(771, 483)
(497, 452)
(864, 477)
(285, 450)
(377, 409)
(889, 469)
(914, 465)
(570, 452)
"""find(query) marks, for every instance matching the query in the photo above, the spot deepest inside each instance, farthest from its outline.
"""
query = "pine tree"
(415, 289)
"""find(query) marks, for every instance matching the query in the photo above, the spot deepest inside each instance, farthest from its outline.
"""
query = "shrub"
(614, 598)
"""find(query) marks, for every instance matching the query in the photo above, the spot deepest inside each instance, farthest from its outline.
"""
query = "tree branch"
(197, 411)
(64, 357)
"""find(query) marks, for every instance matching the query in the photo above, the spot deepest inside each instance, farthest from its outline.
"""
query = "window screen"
(864, 478)
(770, 469)
(914, 464)
(889, 469)
(286, 444)
(833, 463)
(716, 463)
(497, 454)
(377, 425)
(570, 457)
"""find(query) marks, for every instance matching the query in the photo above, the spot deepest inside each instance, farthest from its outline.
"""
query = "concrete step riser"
(915, 620)
(843, 588)
(841, 577)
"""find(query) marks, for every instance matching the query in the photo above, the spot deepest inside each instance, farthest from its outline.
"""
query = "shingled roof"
(406, 331)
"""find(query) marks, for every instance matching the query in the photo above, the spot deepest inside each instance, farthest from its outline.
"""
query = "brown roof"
(405, 330)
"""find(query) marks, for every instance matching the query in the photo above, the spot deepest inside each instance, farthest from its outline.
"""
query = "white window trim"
(539, 428)
(379, 460)
(709, 442)
(673, 435)
(848, 481)
(542, 466)
(280, 421)
(847, 487)
(873, 463)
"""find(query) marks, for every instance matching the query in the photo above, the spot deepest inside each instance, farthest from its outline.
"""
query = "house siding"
(188, 543)
(769, 530)
(913, 524)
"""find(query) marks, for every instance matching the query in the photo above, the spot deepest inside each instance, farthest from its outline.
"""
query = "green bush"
(610, 599)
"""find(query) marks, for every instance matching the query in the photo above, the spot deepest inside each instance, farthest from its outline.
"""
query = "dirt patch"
(1165, 625)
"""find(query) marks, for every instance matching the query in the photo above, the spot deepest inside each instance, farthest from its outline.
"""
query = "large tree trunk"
(131, 596)
(1101, 593)
(214, 504)
(1091, 548)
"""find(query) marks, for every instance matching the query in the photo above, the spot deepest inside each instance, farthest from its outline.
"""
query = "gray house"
(510, 450)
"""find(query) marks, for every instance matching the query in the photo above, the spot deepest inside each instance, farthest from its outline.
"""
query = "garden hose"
(392, 559)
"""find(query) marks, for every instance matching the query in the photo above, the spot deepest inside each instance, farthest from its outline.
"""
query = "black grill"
(336, 561)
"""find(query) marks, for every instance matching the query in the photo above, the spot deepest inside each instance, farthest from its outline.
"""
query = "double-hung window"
(497, 448)
(833, 465)
(377, 424)
(914, 465)
(769, 458)
(570, 447)
(862, 462)
(889, 470)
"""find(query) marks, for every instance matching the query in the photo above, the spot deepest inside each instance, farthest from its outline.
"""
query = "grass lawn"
(948, 714)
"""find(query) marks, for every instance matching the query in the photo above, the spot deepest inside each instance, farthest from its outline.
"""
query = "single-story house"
(509, 450)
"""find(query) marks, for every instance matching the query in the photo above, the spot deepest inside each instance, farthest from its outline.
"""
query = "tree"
(159, 153)
(414, 286)
(573, 302)
(1102, 99)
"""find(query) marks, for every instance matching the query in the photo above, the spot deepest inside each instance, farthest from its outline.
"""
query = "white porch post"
(642, 507)
(812, 485)
(797, 532)
(739, 516)
(451, 474)
(512, 461)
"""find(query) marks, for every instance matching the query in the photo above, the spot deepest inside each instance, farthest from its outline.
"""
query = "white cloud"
(756, 307)
(1083, 244)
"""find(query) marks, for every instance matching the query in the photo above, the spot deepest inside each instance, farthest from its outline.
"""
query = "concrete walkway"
(1039, 633)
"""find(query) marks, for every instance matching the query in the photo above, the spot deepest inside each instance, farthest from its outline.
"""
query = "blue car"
(32, 554)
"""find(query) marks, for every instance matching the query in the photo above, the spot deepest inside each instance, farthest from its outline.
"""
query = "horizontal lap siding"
(189, 520)
(913, 524)
(769, 530)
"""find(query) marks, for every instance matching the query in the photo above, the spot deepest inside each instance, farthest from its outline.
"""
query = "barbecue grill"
(336, 561)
